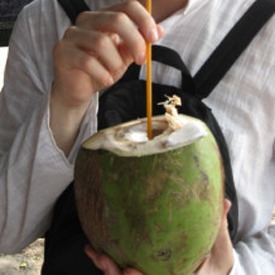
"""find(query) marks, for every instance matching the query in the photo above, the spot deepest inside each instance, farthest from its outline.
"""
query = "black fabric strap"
(232, 46)
(220, 60)
(223, 56)
(171, 58)
(73, 8)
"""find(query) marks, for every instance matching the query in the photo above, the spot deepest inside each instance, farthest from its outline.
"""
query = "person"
(49, 103)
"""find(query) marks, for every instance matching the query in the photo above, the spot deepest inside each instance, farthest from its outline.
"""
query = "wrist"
(65, 120)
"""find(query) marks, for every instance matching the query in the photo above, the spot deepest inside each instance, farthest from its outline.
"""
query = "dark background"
(9, 10)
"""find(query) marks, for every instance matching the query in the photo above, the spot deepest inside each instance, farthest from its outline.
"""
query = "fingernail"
(110, 81)
(141, 58)
(153, 35)
(160, 31)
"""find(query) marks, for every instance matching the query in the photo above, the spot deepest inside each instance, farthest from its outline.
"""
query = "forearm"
(33, 174)
(65, 121)
(33, 169)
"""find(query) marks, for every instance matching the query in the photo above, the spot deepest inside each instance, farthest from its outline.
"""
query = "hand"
(106, 264)
(220, 260)
(92, 56)
(97, 51)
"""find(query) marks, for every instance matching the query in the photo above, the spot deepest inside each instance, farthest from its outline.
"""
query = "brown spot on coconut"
(155, 205)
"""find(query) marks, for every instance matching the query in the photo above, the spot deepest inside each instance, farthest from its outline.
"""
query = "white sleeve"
(33, 171)
(33, 174)
(255, 255)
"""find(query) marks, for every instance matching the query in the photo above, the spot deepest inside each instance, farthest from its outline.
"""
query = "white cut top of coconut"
(130, 139)
(189, 133)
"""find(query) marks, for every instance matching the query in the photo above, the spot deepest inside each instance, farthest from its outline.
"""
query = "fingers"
(131, 271)
(140, 17)
(97, 53)
(105, 264)
(222, 252)
(226, 207)
(220, 260)
(130, 21)
(223, 234)
(102, 262)
(121, 16)
(118, 23)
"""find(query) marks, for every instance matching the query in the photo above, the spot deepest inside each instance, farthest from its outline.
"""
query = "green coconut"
(157, 204)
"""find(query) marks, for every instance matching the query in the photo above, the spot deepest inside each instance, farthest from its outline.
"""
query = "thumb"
(102, 261)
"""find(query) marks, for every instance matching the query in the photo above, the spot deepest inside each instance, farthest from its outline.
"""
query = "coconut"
(156, 204)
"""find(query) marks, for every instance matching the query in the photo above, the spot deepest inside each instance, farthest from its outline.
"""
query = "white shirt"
(34, 172)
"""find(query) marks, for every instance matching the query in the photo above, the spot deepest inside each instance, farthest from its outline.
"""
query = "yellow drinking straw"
(149, 80)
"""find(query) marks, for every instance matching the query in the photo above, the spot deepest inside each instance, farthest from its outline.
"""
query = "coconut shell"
(159, 213)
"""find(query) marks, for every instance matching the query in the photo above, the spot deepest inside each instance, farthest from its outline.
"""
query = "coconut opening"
(130, 139)
(138, 132)
(176, 127)
(170, 131)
